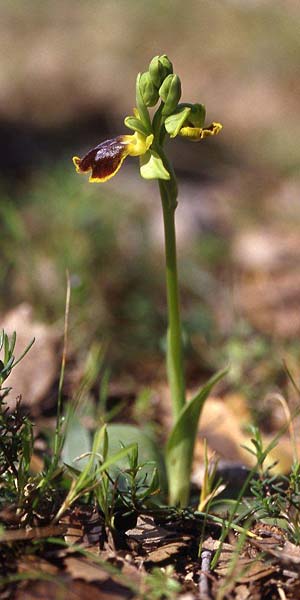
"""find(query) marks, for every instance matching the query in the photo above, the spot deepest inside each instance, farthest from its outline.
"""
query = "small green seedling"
(160, 86)
(88, 479)
(9, 361)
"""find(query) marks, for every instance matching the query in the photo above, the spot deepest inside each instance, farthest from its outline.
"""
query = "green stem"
(168, 191)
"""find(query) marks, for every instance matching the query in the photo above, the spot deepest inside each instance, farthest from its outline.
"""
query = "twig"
(204, 589)
(281, 593)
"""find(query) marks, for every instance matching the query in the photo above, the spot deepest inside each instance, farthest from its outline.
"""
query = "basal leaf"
(180, 446)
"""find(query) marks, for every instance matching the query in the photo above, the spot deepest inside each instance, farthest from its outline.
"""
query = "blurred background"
(67, 80)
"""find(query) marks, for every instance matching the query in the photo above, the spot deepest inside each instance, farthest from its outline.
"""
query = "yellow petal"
(199, 133)
(137, 144)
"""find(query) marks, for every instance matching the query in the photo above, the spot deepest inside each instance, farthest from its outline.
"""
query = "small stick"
(204, 590)
(281, 593)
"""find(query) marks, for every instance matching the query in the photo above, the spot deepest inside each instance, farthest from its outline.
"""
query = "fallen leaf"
(82, 568)
(246, 570)
(32, 533)
(223, 428)
(70, 590)
(147, 534)
(167, 551)
(286, 552)
(36, 564)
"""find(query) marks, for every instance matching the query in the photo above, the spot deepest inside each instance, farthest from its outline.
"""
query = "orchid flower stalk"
(160, 86)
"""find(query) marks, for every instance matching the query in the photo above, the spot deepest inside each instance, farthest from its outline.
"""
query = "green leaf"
(148, 452)
(117, 441)
(78, 441)
(180, 446)
(116, 458)
(152, 167)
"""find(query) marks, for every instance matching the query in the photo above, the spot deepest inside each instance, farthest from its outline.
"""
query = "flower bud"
(148, 90)
(160, 67)
(166, 63)
(170, 92)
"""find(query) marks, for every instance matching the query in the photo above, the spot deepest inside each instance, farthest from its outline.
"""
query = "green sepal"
(142, 109)
(135, 124)
(152, 167)
(186, 115)
(181, 443)
(197, 115)
(174, 122)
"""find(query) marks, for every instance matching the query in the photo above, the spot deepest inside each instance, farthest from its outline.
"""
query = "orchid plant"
(160, 86)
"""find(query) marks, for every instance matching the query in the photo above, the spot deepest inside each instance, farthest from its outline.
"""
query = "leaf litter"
(78, 557)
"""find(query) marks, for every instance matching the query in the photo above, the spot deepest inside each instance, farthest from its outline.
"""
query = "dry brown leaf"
(167, 551)
(212, 545)
(66, 589)
(74, 534)
(82, 568)
(289, 553)
(247, 570)
(286, 552)
(44, 590)
(74, 529)
(147, 533)
(223, 429)
(242, 592)
(32, 533)
(36, 564)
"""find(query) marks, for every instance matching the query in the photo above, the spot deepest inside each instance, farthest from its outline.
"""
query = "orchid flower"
(105, 160)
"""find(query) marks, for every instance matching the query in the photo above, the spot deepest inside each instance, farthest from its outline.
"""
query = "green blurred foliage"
(100, 237)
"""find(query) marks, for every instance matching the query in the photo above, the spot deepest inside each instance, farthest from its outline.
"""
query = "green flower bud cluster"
(159, 82)
(166, 82)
